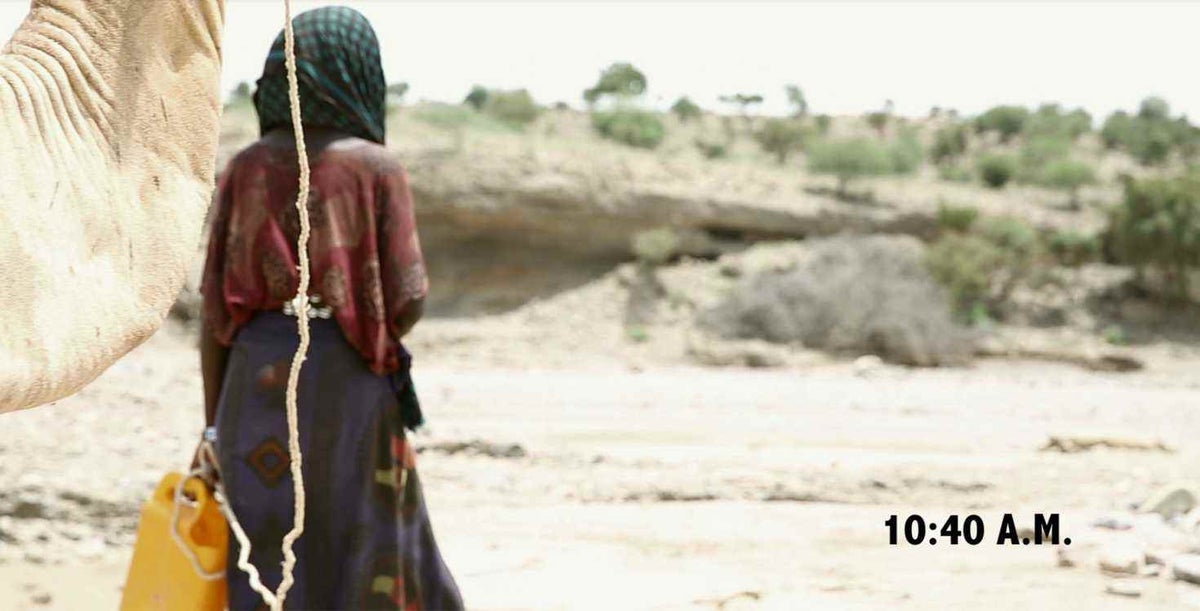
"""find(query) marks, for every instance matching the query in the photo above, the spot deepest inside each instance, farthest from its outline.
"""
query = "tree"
(1040, 151)
(1008, 121)
(1158, 225)
(1116, 130)
(980, 267)
(878, 122)
(906, 153)
(1068, 175)
(241, 93)
(996, 169)
(796, 98)
(1151, 135)
(516, 107)
(686, 109)
(743, 101)
(824, 122)
(636, 128)
(781, 137)
(1049, 120)
(949, 143)
(620, 80)
(477, 97)
(848, 160)
(396, 91)
(1155, 109)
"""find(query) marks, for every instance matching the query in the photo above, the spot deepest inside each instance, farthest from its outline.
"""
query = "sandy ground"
(658, 487)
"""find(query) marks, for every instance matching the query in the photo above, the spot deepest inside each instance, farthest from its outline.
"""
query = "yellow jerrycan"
(180, 554)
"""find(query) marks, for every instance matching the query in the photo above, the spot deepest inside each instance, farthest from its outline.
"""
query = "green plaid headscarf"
(340, 74)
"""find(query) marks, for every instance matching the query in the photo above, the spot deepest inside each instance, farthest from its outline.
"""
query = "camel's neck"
(121, 72)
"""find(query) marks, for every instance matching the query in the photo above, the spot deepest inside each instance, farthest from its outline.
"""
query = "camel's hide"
(109, 116)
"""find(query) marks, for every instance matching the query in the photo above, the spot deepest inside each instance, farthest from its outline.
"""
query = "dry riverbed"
(660, 486)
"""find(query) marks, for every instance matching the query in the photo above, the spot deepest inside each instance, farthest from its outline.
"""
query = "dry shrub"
(849, 295)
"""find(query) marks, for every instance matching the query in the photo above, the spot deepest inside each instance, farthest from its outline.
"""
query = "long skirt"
(367, 541)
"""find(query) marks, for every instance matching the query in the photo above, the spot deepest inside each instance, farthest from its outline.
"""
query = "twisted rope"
(275, 599)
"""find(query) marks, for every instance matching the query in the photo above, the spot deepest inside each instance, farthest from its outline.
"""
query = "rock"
(28, 510)
(1158, 557)
(1169, 502)
(1120, 560)
(1190, 522)
(735, 353)
(867, 364)
(1113, 523)
(1186, 567)
(1071, 444)
(476, 447)
(1066, 557)
(1115, 362)
(1124, 588)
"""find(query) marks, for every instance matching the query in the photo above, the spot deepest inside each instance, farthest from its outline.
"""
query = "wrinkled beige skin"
(109, 116)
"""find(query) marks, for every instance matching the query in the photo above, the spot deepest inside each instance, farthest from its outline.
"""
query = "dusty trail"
(669, 488)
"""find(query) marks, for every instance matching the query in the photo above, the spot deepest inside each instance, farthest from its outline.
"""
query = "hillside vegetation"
(519, 200)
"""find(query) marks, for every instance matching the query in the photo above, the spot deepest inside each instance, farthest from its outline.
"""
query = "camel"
(109, 115)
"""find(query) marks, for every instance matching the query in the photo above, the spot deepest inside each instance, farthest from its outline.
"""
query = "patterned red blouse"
(365, 256)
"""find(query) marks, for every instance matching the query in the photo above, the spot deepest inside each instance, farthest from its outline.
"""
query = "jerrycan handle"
(201, 497)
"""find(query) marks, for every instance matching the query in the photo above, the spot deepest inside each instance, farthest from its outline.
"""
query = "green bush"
(1158, 226)
(952, 218)
(781, 137)
(621, 80)
(1117, 130)
(1008, 121)
(949, 143)
(981, 268)
(879, 121)
(477, 97)
(1151, 135)
(966, 265)
(996, 169)
(636, 128)
(849, 159)
(1067, 175)
(1051, 120)
(1039, 151)
(1154, 108)
(954, 173)
(686, 109)
(712, 149)
(1188, 140)
(1152, 143)
(515, 108)
(906, 153)
(457, 117)
(1073, 248)
(824, 122)
(1116, 335)
(1014, 236)
(1146, 140)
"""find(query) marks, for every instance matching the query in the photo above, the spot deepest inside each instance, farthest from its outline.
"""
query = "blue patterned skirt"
(367, 541)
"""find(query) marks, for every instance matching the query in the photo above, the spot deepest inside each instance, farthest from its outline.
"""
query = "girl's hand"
(204, 460)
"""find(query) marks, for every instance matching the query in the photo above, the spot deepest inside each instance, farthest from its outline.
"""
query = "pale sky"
(848, 57)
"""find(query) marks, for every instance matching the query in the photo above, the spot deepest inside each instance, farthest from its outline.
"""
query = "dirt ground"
(659, 487)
